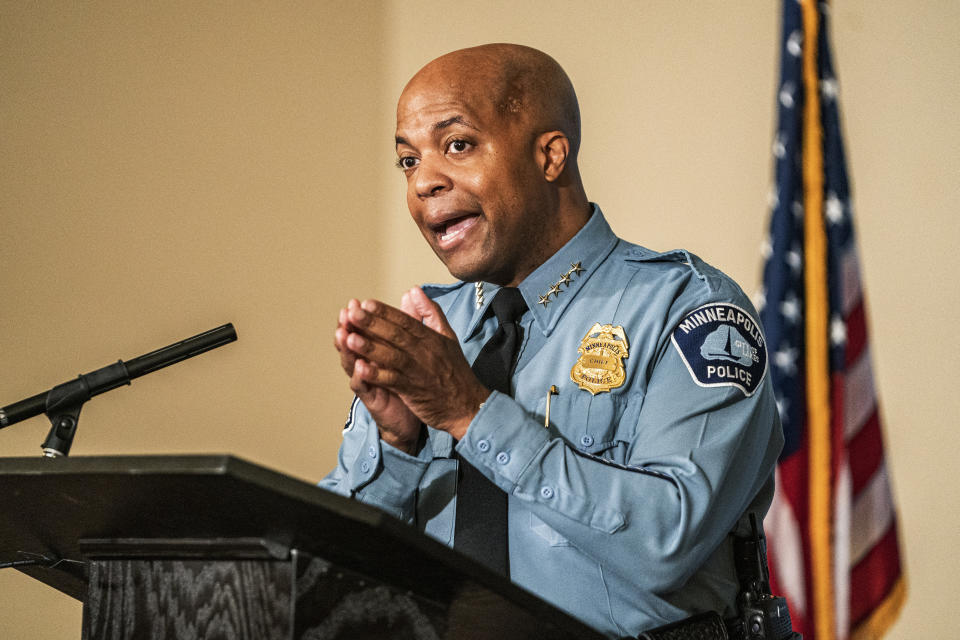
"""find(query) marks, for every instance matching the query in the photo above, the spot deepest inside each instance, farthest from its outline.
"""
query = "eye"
(407, 162)
(458, 146)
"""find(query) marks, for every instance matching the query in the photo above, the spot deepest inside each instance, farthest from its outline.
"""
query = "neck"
(568, 210)
(573, 207)
(566, 222)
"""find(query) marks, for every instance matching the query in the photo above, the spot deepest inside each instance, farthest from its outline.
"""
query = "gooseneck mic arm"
(62, 403)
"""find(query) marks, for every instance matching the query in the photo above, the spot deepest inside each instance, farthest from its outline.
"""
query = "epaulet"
(637, 253)
(708, 274)
(434, 291)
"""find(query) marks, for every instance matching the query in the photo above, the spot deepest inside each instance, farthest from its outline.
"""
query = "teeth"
(446, 232)
(454, 228)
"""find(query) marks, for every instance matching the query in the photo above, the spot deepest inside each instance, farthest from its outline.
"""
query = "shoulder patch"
(722, 346)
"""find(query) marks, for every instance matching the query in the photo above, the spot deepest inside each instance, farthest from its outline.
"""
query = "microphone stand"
(63, 402)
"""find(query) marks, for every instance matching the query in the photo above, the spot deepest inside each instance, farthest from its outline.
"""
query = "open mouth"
(450, 232)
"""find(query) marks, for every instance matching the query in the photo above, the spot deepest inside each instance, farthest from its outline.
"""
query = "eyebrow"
(443, 124)
(440, 126)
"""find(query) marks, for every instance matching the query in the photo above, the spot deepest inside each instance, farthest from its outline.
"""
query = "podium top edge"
(132, 464)
(202, 464)
(213, 465)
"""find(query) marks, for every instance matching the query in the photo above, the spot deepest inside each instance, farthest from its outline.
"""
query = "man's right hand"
(399, 427)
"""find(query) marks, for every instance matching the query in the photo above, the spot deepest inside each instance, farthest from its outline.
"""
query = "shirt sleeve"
(697, 458)
(374, 472)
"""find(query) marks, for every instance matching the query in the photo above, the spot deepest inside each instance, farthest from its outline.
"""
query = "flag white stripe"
(850, 272)
(859, 397)
(841, 550)
(786, 554)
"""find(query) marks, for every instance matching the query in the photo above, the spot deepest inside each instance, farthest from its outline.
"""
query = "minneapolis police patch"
(722, 346)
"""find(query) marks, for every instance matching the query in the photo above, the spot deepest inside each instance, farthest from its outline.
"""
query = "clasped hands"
(407, 368)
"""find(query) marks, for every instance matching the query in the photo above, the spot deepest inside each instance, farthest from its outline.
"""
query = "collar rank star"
(722, 346)
(576, 268)
(600, 365)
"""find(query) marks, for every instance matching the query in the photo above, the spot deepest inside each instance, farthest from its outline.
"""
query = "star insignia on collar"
(576, 268)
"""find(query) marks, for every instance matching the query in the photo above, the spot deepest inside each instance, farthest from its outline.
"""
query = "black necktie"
(481, 523)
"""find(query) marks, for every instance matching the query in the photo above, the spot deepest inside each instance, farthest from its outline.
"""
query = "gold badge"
(600, 365)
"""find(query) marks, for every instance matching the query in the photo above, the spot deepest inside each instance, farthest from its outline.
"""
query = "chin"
(472, 265)
(467, 270)
(467, 275)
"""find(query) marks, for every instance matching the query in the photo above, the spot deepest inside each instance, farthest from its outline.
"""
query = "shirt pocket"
(591, 424)
(590, 427)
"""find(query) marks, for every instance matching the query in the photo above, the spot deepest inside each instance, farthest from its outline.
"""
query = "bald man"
(617, 405)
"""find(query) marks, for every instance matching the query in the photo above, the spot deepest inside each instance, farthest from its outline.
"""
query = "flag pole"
(817, 363)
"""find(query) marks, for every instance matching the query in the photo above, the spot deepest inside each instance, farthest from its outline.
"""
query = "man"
(648, 368)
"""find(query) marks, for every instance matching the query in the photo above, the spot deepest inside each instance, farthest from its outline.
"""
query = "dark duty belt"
(710, 626)
(703, 626)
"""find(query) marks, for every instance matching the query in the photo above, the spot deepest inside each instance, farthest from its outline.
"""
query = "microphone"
(62, 403)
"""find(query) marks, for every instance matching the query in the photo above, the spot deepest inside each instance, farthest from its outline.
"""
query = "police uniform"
(663, 434)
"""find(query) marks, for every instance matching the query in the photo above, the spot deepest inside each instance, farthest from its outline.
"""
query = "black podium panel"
(216, 547)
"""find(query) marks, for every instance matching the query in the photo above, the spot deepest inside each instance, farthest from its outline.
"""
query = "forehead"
(428, 100)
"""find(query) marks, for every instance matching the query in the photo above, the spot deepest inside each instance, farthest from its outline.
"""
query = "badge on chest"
(600, 365)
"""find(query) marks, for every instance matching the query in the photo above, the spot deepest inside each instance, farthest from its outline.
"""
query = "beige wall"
(168, 168)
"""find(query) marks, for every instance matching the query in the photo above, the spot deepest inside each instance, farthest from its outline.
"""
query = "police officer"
(636, 428)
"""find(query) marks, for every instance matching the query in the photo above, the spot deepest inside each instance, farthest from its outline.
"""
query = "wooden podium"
(214, 547)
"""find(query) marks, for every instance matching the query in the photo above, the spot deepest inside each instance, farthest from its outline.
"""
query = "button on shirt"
(620, 511)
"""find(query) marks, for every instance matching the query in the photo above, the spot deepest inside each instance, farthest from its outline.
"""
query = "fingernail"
(369, 305)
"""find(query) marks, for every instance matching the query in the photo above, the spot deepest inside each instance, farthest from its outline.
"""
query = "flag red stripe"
(856, 333)
(793, 476)
(874, 576)
(866, 453)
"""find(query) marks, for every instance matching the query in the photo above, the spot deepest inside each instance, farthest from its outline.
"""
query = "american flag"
(832, 528)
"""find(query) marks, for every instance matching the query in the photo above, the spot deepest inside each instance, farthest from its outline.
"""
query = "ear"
(553, 149)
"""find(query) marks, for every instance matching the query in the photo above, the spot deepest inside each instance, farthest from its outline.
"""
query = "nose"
(431, 178)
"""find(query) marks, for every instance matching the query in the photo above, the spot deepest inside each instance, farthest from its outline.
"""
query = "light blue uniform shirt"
(620, 512)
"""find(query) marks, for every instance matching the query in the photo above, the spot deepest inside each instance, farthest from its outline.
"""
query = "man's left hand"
(419, 359)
